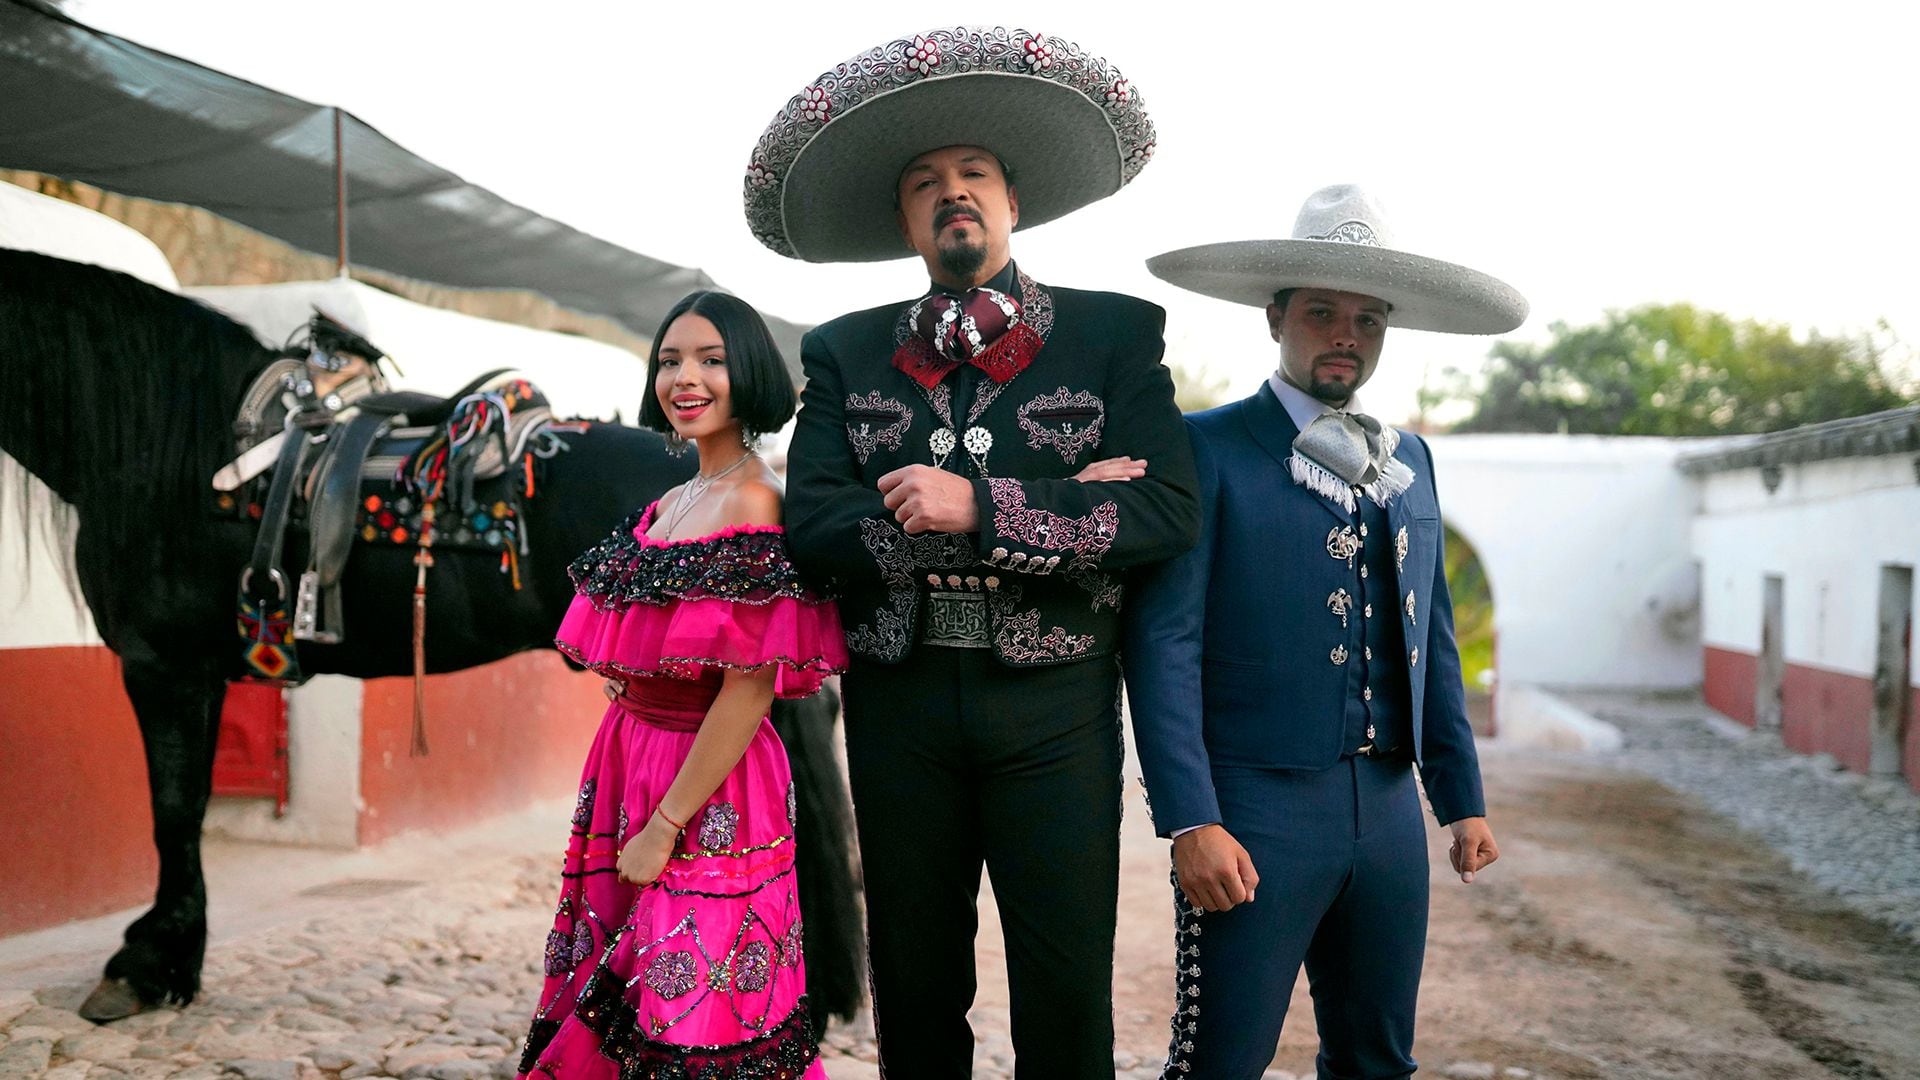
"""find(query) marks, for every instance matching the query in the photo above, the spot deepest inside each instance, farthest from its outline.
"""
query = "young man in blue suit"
(1289, 676)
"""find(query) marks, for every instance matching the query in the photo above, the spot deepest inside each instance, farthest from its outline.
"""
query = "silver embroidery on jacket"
(1069, 421)
(873, 421)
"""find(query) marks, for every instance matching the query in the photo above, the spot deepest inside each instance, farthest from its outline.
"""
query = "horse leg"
(823, 842)
(159, 963)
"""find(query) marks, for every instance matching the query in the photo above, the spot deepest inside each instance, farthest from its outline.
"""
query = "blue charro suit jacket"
(1227, 647)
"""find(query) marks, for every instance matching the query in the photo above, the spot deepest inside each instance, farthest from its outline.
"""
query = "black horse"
(120, 397)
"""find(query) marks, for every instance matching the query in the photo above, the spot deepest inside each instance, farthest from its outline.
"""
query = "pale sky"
(1756, 159)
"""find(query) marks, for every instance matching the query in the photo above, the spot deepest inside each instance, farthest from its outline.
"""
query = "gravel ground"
(1858, 836)
(1643, 922)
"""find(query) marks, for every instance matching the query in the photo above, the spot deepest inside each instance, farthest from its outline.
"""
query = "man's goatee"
(963, 261)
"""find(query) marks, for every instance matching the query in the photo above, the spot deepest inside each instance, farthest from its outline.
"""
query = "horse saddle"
(396, 467)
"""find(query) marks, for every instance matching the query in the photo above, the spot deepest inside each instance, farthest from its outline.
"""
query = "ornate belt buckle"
(956, 620)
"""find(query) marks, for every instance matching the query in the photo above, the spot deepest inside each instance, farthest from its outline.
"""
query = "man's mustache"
(1357, 362)
(947, 213)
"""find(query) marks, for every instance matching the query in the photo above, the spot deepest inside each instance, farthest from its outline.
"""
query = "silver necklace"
(693, 489)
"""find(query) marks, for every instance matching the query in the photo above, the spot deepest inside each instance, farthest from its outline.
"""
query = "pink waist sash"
(670, 704)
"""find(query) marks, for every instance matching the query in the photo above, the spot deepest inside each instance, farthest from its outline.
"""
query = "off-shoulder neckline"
(646, 519)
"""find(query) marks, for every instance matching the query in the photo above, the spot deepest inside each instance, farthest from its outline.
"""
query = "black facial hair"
(1328, 392)
(963, 261)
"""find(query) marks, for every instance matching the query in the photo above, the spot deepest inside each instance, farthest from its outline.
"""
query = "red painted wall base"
(1821, 711)
(499, 738)
(1728, 680)
(73, 790)
(73, 778)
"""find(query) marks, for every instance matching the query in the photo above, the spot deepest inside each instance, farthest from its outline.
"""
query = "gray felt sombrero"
(1341, 241)
(821, 183)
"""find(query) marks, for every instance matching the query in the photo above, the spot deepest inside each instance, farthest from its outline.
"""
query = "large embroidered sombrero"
(822, 180)
(1341, 241)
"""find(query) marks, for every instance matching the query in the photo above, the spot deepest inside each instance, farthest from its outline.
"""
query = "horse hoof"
(112, 1000)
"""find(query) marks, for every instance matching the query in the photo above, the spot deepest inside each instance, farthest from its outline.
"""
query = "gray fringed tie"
(1341, 451)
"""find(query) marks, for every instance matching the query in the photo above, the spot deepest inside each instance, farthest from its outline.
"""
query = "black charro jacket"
(1051, 553)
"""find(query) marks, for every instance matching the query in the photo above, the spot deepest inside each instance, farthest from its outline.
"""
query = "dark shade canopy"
(88, 106)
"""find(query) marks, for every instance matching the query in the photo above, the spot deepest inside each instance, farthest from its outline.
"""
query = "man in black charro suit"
(974, 471)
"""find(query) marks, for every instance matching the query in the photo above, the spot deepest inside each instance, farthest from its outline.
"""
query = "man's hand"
(1214, 870)
(1113, 468)
(1473, 847)
(645, 856)
(926, 499)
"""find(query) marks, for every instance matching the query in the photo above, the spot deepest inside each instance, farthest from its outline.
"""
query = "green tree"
(1472, 609)
(1195, 389)
(1676, 370)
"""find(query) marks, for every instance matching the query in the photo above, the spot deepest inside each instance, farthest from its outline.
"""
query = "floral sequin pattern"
(753, 968)
(791, 945)
(784, 1050)
(583, 805)
(1069, 421)
(744, 567)
(874, 420)
(672, 974)
(1088, 537)
(935, 54)
(718, 826)
(559, 957)
(569, 942)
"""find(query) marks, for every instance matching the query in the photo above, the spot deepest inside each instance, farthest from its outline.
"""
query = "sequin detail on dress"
(583, 806)
(745, 565)
(754, 967)
(686, 976)
(673, 974)
(718, 826)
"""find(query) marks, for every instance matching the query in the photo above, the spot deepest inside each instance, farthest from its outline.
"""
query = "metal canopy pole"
(340, 192)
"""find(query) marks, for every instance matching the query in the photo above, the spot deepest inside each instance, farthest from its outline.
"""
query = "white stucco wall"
(39, 606)
(31, 221)
(323, 781)
(439, 351)
(1826, 530)
(1584, 542)
(38, 609)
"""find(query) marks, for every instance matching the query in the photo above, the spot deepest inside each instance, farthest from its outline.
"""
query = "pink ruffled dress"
(699, 974)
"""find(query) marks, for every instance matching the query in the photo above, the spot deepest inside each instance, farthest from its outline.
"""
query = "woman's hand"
(1113, 468)
(645, 856)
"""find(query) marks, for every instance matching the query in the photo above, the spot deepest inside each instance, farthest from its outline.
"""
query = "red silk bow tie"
(982, 328)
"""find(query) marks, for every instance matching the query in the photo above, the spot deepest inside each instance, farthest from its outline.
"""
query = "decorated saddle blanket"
(477, 464)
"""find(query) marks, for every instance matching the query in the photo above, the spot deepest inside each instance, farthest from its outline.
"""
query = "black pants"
(956, 760)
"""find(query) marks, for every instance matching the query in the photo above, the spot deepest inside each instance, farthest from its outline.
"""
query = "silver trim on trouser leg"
(1186, 984)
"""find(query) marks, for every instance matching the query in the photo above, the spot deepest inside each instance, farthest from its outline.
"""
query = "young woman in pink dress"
(675, 950)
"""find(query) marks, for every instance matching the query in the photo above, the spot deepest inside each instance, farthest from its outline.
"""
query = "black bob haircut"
(760, 390)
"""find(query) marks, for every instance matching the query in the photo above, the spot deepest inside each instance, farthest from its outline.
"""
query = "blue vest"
(1379, 698)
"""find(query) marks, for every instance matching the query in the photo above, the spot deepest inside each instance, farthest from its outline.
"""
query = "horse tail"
(823, 833)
